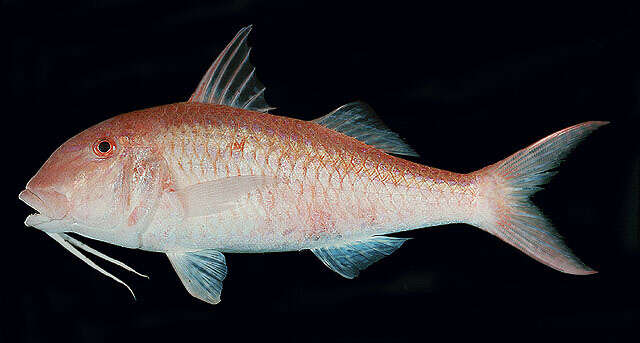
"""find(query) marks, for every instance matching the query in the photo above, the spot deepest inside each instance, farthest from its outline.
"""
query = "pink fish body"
(219, 175)
(317, 186)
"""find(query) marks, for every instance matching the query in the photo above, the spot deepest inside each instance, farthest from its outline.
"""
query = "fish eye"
(104, 147)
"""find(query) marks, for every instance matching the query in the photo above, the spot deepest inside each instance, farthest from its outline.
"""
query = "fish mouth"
(51, 207)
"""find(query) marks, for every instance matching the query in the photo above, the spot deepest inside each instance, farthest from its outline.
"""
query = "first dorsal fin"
(231, 79)
(358, 120)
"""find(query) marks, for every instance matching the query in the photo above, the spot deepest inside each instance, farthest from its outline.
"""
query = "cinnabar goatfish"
(218, 174)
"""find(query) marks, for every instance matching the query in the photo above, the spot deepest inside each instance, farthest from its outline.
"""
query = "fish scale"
(325, 159)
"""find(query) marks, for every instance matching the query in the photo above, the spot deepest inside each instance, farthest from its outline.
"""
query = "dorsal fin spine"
(254, 97)
(226, 65)
(231, 79)
(244, 84)
(212, 70)
(235, 73)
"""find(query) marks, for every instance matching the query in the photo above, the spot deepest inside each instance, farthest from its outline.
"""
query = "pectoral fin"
(201, 273)
(206, 198)
(348, 259)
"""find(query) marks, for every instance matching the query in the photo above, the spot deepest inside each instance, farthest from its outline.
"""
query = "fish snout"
(47, 202)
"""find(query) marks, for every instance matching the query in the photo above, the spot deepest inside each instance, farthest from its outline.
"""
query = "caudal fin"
(506, 211)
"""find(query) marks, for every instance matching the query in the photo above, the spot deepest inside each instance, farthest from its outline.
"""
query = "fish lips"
(52, 208)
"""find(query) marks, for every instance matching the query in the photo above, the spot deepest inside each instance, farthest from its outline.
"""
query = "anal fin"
(348, 259)
(201, 273)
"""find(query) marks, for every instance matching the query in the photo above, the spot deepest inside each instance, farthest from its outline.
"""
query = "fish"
(219, 174)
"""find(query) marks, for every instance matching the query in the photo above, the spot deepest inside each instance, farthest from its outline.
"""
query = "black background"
(465, 84)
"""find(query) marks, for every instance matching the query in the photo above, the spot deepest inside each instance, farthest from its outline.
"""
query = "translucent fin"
(201, 273)
(216, 196)
(231, 79)
(359, 121)
(350, 258)
(91, 250)
(512, 217)
(58, 238)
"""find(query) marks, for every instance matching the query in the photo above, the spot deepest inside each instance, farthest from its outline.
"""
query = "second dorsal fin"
(358, 120)
(231, 79)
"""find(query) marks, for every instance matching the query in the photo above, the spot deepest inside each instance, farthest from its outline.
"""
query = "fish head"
(86, 185)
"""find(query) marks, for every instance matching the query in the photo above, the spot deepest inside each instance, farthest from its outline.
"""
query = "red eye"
(104, 147)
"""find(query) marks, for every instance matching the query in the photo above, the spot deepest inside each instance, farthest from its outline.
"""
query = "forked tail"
(504, 208)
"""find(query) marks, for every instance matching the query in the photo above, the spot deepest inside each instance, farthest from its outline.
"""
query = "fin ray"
(348, 259)
(201, 273)
(358, 120)
(231, 79)
(512, 217)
